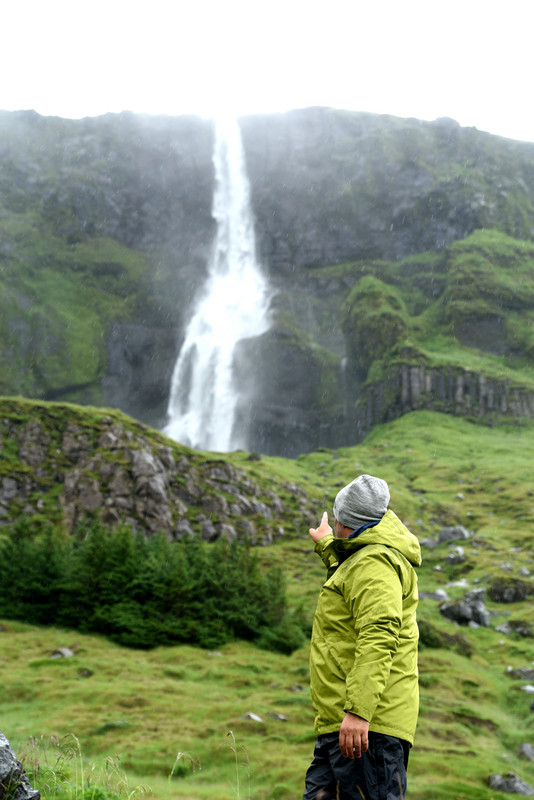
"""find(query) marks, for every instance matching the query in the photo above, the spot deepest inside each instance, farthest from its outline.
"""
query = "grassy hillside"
(144, 709)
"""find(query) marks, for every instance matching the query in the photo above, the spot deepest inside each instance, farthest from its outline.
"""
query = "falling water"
(233, 306)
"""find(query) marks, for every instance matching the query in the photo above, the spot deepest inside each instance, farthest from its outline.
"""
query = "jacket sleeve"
(373, 592)
(325, 549)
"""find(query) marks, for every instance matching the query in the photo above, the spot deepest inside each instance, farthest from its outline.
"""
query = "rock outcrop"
(470, 610)
(355, 412)
(14, 783)
(74, 468)
(511, 783)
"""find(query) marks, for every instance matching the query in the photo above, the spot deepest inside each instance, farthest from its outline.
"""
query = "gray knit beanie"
(364, 500)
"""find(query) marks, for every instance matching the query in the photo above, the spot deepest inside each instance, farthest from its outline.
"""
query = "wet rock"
(457, 556)
(517, 626)
(221, 472)
(252, 716)
(504, 627)
(144, 464)
(215, 504)
(439, 594)
(247, 529)
(241, 505)
(33, 443)
(85, 673)
(83, 489)
(62, 652)
(156, 516)
(470, 609)
(120, 485)
(8, 490)
(192, 488)
(275, 503)
(521, 673)
(74, 443)
(154, 487)
(109, 440)
(123, 503)
(526, 751)
(14, 783)
(509, 590)
(261, 508)
(182, 465)
(452, 533)
(107, 470)
(511, 783)
(227, 532)
(208, 530)
(166, 457)
(183, 528)
(428, 542)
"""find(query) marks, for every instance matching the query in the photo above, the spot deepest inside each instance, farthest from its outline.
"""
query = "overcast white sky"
(467, 59)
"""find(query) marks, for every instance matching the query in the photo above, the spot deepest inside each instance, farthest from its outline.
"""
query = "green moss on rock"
(374, 321)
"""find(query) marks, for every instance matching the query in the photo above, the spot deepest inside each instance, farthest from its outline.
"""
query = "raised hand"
(323, 530)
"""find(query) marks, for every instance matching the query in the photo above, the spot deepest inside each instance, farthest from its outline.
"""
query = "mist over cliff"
(399, 254)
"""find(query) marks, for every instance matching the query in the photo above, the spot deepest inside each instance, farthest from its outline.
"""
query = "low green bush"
(143, 592)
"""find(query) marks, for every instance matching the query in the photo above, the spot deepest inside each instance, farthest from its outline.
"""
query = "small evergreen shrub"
(143, 592)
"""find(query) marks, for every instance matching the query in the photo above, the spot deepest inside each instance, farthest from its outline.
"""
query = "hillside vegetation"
(176, 709)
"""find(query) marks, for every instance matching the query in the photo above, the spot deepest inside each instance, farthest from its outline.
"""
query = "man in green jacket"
(363, 661)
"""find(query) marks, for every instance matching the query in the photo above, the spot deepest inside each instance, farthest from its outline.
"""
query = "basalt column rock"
(452, 390)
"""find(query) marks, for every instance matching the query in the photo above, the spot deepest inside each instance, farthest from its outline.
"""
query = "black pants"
(380, 774)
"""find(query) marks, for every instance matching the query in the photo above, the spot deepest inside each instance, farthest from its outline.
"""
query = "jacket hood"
(391, 532)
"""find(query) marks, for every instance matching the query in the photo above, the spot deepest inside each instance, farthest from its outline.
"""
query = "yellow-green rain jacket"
(364, 643)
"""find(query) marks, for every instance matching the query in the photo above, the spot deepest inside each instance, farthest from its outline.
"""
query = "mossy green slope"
(147, 707)
(58, 302)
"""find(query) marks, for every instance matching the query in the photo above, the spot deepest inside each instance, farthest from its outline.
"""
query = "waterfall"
(232, 306)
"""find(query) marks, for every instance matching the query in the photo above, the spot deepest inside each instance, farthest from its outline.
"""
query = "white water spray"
(233, 306)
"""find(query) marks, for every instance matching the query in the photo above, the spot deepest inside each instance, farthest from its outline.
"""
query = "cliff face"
(106, 230)
(331, 186)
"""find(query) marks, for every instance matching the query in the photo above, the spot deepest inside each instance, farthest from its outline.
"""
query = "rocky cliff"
(331, 186)
(68, 465)
(106, 229)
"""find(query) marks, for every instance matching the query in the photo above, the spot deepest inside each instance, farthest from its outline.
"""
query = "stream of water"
(232, 306)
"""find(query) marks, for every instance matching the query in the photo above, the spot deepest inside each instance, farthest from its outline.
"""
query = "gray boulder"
(452, 533)
(521, 673)
(517, 626)
(14, 783)
(509, 590)
(511, 783)
(468, 610)
(428, 542)
(526, 751)
(457, 556)
(439, 594)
